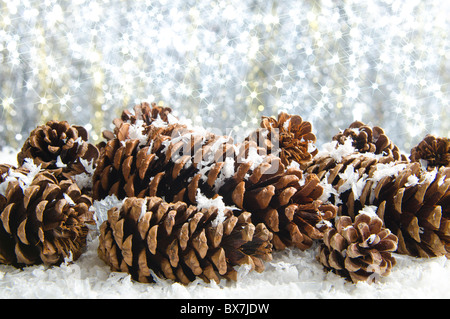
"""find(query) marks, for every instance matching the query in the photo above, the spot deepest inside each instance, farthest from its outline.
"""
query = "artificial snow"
(226, 172)
(60, 163)
(100, 208)
(292, 273)
(253, 157)
(337, 151)
(352, 181)
(205, 202)
(136, 130)
(24, 180)
(369, 210)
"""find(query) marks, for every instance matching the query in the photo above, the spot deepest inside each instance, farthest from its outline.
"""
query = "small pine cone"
(180, 242)
(372, 140)
(42, 219)
(434, 150)
(359, 250)
(139, 122)
(289, 135)
(59, 145)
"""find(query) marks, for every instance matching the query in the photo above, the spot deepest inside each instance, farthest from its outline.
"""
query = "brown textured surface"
(181, 242)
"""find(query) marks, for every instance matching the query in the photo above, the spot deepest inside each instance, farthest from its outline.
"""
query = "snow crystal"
(328, 191)
(369, 210)
(24, 180)
(286, 124)
(323, 222)
(441, 180)
(311, 147)
(423, 164)
(412, 180)
(150, 147)
(143, 210)
(136, 131)
(83, 180)
(59, 162)
(253, 157)
(218, 143)
(4, 185)
(69, 199)
(352, 181)
(172, 119)
(337, 151)
(88, 165)
(391, 169)
(226, 172)
(158, 122)
(371, 239)
(293, 164)
(205, 202)
(101, 207)
(429, 176)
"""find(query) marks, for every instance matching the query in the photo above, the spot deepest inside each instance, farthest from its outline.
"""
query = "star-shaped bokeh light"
(224, 64)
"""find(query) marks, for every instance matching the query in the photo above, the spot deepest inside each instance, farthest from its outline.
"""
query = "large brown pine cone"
(181, 242)
(289, 137)
(181, 166)
(369, 139)
(350, 183)
(42, 219)
(434, 150)
(57, 144)
(359, 250)
(417, 209)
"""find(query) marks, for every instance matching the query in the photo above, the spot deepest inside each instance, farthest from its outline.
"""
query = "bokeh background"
(224, 64)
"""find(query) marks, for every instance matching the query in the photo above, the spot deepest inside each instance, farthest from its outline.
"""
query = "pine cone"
(179, 165)
(417, 210)
(350, 183)
(136, 125)
(59, 145)
(289, 135)
(180, 242)
(360, 250)
(42, 220)
(366, 139)
(434, 150)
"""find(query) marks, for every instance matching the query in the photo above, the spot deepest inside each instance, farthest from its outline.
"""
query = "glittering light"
(384, 62)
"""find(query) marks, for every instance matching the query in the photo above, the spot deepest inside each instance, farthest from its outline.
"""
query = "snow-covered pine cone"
(369, 139)
(359, 250)
(181, 242)
(352, 181)
(435, 151)
(289, 137)
(57, 144)
(43, 219)
(142, 117)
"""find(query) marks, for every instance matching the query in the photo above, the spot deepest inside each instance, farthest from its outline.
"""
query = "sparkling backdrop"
(224, 64)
